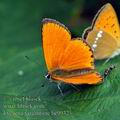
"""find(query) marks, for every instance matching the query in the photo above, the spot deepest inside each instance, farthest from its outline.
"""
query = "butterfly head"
(48, 76)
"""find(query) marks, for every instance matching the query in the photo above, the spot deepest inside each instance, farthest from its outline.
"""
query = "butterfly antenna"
(108, 71)
(36, 63)
(112, 56)
(107, 60)
(58, 85)
(29, 59)
(75, 87)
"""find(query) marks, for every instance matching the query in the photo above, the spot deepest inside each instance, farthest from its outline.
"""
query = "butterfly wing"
(62, 52)
(92, 78)
(103, 46)
(55, 38)
(77, 55)
(65, 53)
(107, 21)
(105, 28)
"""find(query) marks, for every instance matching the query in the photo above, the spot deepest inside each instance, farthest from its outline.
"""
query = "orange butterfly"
(68, 60)
(104, 34)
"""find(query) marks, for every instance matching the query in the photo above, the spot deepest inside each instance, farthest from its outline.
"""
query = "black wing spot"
(92, 63)
(112, 25)
(92, 56)
(113, 17)
(104, 26)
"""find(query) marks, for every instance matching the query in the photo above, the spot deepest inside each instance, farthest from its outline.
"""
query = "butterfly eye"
(47, 76)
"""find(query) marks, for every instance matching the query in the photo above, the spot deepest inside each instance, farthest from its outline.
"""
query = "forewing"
(55, 37)
(107, 20)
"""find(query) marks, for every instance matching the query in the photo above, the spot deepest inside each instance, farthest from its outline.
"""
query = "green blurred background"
(20, 36)
(20, 21)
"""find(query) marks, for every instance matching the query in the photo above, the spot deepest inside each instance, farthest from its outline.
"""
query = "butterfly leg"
(58, 85)
(108, 70)
(112, 56)
(75, 87)
(107, 60)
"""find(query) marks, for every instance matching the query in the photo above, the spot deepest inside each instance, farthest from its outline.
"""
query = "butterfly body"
(70, 73)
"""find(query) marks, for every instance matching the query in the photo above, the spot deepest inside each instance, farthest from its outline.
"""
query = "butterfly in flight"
(104, 34)
(69, 60)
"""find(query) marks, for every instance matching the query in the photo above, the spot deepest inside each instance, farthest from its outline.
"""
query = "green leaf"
(20, 23)
(25, 94)
(92, 102)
